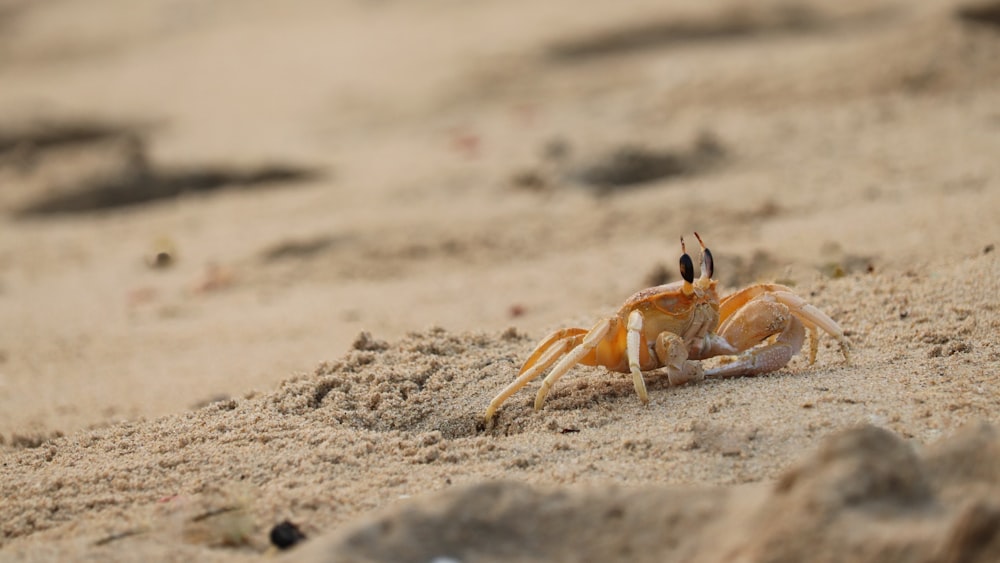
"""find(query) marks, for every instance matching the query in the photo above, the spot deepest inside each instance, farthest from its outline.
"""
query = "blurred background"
(199, 199)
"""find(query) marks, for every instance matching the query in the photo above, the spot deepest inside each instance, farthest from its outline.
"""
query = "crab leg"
(545, 355)
(633, 345)
(813, 318)
(773, 355)
(590, 341)
(556, 336)
(810, 316)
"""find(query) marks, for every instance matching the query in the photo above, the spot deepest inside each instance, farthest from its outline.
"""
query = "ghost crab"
(758, 329)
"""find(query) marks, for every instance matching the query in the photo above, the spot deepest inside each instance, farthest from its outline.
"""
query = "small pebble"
(286, 534)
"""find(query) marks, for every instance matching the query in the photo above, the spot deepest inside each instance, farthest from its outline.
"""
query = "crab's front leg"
(633, 345)
(756, 322)
(671, 352)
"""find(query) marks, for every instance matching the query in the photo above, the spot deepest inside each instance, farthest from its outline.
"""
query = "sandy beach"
(265, 264)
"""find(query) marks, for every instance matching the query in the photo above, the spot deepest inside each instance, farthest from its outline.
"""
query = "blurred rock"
(865, 495)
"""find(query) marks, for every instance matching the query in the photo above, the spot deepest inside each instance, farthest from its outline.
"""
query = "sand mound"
(864, 496)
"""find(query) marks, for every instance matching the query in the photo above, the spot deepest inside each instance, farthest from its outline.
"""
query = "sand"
(263, 263)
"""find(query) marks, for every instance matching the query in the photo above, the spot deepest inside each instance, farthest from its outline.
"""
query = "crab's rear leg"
(754, 323)
(559, 336)
(810, 316)
(550, 349)
(587, 345)
(813, 318)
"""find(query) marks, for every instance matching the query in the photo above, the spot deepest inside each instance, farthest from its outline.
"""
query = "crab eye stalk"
(687, 268)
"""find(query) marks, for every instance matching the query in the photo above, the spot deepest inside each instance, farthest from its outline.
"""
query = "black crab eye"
(707, 264)
(687, 268)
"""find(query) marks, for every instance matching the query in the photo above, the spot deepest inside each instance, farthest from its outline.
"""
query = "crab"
(756, 330)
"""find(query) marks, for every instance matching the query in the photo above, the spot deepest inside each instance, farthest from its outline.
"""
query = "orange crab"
(672, 326)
